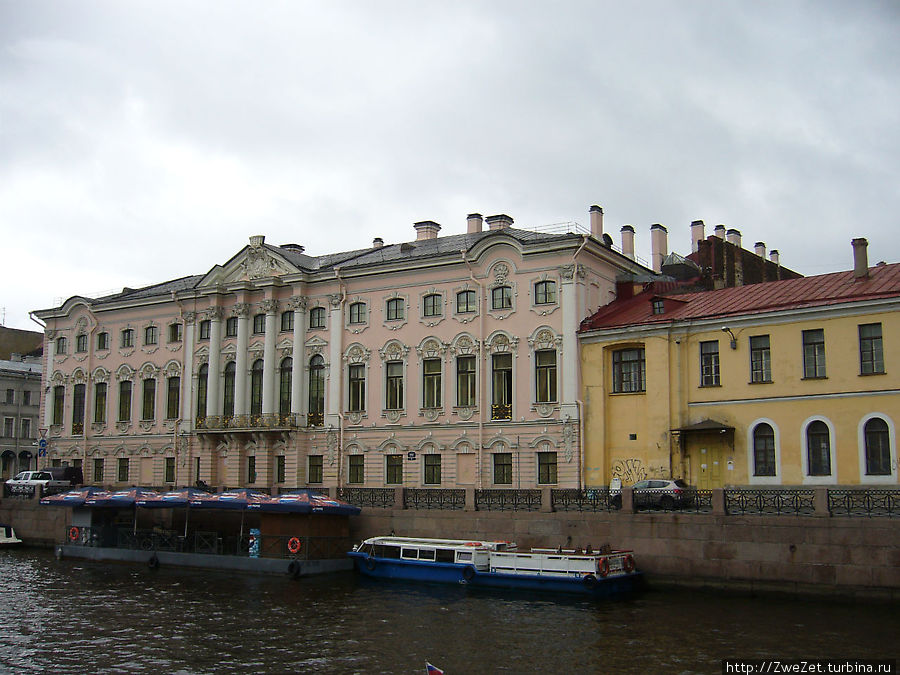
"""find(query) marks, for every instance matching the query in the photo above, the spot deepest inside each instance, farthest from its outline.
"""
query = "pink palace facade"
(441, 362)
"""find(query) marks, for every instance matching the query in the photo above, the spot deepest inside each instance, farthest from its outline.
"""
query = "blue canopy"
(239, 499)
(305, 501)
(120, 498)
(173, 499)
(73, 497)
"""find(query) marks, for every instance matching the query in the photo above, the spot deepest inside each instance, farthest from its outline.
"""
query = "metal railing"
(430, 498)
(382, 498)
(689, 500)
(867, 502)
(779, 502)
(508, 500)
(594, 499)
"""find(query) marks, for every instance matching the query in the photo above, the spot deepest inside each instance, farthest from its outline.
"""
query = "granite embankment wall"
(857, 557)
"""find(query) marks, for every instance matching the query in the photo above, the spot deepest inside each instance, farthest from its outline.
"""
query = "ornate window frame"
(544, 338)
(466, 317)
(502, 270)
(432, 320)
(359, 326)
(544, 308)
(403, 301)
(394, 351)
(465, 344)
(356, 354)
(432, 348)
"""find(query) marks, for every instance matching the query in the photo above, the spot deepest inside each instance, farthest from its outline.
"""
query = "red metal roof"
(822, 290)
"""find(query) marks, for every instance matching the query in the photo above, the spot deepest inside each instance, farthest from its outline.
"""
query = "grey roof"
(21, 366)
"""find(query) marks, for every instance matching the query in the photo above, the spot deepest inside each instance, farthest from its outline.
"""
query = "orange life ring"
(73, 533)
(294, 545)
(628, 563)
(603, 567)
(473, 543)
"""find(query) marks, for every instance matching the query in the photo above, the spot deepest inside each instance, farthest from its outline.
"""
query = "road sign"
(42, 447)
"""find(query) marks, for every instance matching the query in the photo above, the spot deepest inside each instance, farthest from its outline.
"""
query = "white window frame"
(861, 444)
(763, 480)
(831, 479)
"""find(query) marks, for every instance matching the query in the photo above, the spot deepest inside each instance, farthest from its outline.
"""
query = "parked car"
(662, 493)
(26, 481)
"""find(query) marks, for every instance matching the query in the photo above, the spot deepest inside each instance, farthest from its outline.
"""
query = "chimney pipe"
(760, 249)
(719, 231)
(773, 256)
(597, 222)
(628, 241)
(473, 222)
(427, 229)
(499, 222)
(860, 258)
(733, 237)
(658, 246)
(378, 242)
(697, 235)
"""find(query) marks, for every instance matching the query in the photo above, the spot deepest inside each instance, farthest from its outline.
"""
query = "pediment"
(256, 261)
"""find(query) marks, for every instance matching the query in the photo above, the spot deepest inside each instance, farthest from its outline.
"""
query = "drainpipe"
(481, 388)
(340, 388)
(578, 402)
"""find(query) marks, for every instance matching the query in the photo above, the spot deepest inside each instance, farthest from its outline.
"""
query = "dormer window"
(658, 306)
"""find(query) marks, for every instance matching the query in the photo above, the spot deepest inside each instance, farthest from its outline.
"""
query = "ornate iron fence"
(508, 500)
(430, 498)
(375, 497)
(867, 502)
(791, 501)
(595, 499)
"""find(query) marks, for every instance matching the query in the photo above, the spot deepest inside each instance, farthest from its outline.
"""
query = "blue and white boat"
(496, 564)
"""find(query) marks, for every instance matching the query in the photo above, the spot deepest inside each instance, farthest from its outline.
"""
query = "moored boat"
(496, 564)
(8, 536)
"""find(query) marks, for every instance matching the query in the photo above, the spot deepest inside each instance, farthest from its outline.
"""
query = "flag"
(432, 670)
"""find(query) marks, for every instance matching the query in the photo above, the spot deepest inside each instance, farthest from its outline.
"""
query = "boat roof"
(422, 541)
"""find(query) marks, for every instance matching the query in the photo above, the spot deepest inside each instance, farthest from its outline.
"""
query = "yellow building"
(793, 382)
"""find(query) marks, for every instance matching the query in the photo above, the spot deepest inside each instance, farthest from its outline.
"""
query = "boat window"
(464, 556)
(444, 555)
(426, 554)
(387, 552)
(410, 553)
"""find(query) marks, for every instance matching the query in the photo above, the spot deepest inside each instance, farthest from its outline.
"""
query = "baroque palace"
(444, 361)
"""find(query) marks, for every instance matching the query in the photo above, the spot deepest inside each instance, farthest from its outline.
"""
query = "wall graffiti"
(632, 469)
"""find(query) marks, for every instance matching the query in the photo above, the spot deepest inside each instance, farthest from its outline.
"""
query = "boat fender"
(589, 581)
(468, 573)
(294, 545)
(370, 564)
(73, 533)
(603, 567)
(153, 562)
(294, 568)
(628, 563)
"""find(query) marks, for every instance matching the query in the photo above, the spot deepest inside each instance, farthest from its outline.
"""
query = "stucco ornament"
(501, 271)
(260, 264)
(568, 435)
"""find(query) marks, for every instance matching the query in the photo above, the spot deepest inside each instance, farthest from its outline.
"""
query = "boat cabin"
(475, 553)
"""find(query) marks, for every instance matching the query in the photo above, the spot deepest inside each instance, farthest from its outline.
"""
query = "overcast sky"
(144, 141)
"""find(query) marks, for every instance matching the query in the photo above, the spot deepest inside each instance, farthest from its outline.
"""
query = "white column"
(268, 393)
(188, 409)
(299, 305)
(241, 372)
(335, 331)
(214, 380)
(571, 316)
(49, 347)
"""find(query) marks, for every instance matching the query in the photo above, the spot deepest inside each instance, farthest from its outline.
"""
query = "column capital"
(268, 306)
(189, 317)
(569, 272)
(241, 309)
(214, 313)
(335, 300)
(298, 303)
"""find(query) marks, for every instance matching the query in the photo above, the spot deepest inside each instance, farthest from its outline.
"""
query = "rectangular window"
(709, 363)
(125, 401)
(355, 466)
(78, 394)
(317, 317)
(100, 403)
(502, 389)
(173, 397)
(547, 468)
(102, 341)
(814, 353)
(431, 383)
(357, 383)
(545, 375)
(251, 469)
(259, 324)
(61, 345)
(122, 470)
(81, 343)
(175, 332)
(358, 312)
(545, 292)
(170, 470)
(231, 326)
(760, 359)
(628, 371)
(128, 338)
(59, 402)
(287, 320)
(465, 381)
(98, 470)
(10, 396)
(503, 468)
(432, 305)
(432, 469)
(26, 429)
(393, 469)
(395, 309)
(465, 302)
(394, 385)
(204, 329)
(501, 297)
(315, 469)
(151, 335)
(9, 427)
(148, 407)
(871, 354)
(279, 469)
(26, 397)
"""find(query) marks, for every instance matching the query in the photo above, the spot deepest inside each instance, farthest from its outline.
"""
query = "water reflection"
(77, 616)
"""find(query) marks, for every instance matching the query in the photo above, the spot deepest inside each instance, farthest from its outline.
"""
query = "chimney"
(760, 249)
(697, 235)
(860, 258)
(658, 246)
(378, 242)
(499, 222)
(257, 240)
(596, 222)
(733, 237)
(628, 241)
(720, 231)
(427, 229)
(773, 256)
(474, 223)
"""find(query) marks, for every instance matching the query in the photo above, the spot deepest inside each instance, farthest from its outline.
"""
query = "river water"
(73, 616)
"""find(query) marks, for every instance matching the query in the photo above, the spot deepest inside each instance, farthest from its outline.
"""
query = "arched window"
(228, 390)
(501, 297)
(202, 379)
(763, 450)
(878, 449)
(316, 415)
(256, 387)
(284, 386)
(465, 302)
(432, 305)
(818, 449)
